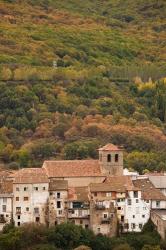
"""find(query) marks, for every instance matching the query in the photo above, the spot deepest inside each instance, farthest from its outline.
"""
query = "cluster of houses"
(95, 194)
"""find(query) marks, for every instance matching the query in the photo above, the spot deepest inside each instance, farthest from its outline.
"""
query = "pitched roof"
(158, 181)
(149, 192)
(106, 187)
(30, 175)
(78, 194)
(58, 185)
(121, 182)
(72, 168)
(6, 187)
(111, 147)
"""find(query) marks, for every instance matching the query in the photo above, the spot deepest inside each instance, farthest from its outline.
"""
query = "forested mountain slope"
(100, 91)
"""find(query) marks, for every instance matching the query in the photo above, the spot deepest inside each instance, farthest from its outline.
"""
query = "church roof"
(72, 168)
(110, 147)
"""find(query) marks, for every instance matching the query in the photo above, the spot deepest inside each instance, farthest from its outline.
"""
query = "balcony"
(106, 220)
(100, 207)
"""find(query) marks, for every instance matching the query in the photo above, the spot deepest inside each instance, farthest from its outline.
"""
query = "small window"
(129, 202)
(26, 198)
(140, 226)
(36, 210)
(7, 215)
(143, 216)
(50, 193)
(135, 194)
(18, 223)
(18, 217)
(4, 200)
(108, 158)
(60, 212)
(147, 201)
(27, 209)
(133, 216)
(108, 194)
(25, 188)
(3, 208)
(37, 219)
(158, 204)
(137, 201)
(119, 208)
(95, 194)
(58, 204)
(133, 225)
(105, 216)
(44, 188)
(122, 218)
(17, 198)
(36, 188)
(81, 222)
(126, 225)
(18, 210)
(58, 195)
(116, 157)
(17, 189)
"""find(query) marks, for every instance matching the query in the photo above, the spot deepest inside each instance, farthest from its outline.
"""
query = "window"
(147, 201)
(18, 223)
(18, 210)
(95, 194)
(36, 210)
(58, 195)
(58, 204)
(133, 216)
(36, 188)
(140, 226)
(122, 218)
(3, 208)
(119, 208)
(25, 188)
(133, 225)
(105, 216)
(129, 202)
(126, 226)
(37, 219)
(17, 198)
(116, 157)
(137, 201)
(135, 194)
(157, 203)
(26, 198)
(18, 217)
(60, 212)
(81, 222)
(143, 216)
(108, 158)
(27, 209)
(108, 194)
(17, 189)
(50, 193)
(44, 188)
(4, 200)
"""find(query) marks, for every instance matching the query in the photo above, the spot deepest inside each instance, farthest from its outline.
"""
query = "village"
(97, 194)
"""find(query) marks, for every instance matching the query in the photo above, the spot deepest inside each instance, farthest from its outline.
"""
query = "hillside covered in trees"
(108, 83)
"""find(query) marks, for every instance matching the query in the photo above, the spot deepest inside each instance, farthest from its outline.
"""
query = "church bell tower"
(111, 160)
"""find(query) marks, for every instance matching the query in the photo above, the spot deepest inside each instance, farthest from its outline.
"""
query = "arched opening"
(108, 158)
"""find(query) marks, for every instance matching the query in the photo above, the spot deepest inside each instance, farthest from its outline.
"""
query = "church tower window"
(116, 157)
(108, 158)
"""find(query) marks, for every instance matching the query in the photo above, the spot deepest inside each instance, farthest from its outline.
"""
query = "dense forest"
(71, 237)
(75, 75)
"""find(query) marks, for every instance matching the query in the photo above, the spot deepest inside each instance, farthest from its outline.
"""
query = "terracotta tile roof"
(121, 182)
(6, 187)
(149, 192)
(106, 187)
(158, 181)
(30, 175)
(75, 168)
(111, 147)
(58, 185)
(78, 194)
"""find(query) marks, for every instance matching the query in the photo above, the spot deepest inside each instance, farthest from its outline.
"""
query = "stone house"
(58, 197)
(30, 196)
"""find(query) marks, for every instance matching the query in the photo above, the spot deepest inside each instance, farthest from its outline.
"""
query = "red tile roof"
(72, 168)
(121, 181)
(78, 194)
(30, 175)
(111, 147)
